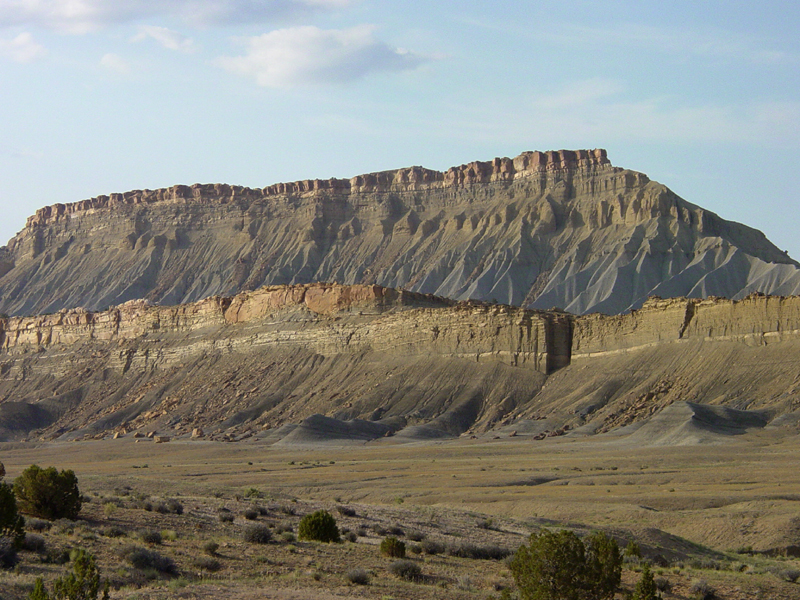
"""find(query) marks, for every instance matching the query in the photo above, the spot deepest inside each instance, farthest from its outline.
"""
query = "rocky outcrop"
(311, 317)
(755, 320)
(563, 229)
(528, 164)
(272, 357)
(417, 366)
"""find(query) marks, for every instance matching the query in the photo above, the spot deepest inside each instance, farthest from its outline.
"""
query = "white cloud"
(22, 49)
(168, 38)
(308, 55)
(82, 16)
(115, 63)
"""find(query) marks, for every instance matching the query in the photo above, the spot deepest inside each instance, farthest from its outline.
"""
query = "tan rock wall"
(754, 320)
(526, 165)
(328, 319)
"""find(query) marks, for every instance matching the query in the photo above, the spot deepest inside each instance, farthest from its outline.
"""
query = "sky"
(101, 96)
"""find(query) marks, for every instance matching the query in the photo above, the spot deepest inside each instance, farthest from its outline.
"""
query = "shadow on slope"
(318, 429)
(688, 423)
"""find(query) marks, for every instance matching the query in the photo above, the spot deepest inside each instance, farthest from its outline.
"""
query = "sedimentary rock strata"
(417, 366)
(564, 229)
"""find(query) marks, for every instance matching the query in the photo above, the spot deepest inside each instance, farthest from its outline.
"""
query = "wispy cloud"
(82, 16)
(700, 42)
(692, 41)
(580, 93)
(666, 119)
(597, 112)
(168, 38)
(26, 154)
(301, 56)
(22, 49)
(115, 64)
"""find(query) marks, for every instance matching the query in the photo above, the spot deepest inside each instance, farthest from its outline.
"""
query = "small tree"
(603, 566)
(393, 547)
(319, 526)
(559, 566)
(47, 493)
(633, 549)
(12, 525)
(83, 583)
(646, 588)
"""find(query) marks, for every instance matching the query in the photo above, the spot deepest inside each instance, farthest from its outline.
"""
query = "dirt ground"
(724, 514)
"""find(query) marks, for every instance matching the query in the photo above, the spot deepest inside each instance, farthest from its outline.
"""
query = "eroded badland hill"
(322, 362)
(563, 229)
(356, 360)
(429, 391)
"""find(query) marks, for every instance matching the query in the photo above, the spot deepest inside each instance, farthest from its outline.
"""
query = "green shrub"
(559, 566)
(791, 575)
(226, 517)
(466, 550)
(39, 592)
(406, 569)
(319, 526)
(169, 535)
(206, 563)
(144, 559)
(358, 576)
(37, 524)
(253, 493)
(83, 583)
(633, 549)
(663, 584)
(393, 547)
(8, 553)
(150, 536)
(646, 586)
(64, 526)
(211, 548)
(113, 531)
(47, 493)
(169, 506)
(432, 547)
(33, 543)
(702, 591)
(257, 533)
(251, 514)
(12, 525)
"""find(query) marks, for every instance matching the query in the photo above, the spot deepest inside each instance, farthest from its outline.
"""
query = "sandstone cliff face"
(411, 364)
(325, 319)
(755, 320)
(563, 229)
(274, 356)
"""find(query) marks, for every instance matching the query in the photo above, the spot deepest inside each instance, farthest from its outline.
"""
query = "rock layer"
(547, 229)
(419, 366)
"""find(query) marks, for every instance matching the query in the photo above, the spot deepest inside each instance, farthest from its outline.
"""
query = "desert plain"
(724, 514)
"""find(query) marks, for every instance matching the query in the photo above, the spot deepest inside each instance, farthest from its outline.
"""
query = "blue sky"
(100, 96)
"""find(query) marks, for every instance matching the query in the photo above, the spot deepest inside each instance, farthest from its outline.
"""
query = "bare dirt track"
(689, 507)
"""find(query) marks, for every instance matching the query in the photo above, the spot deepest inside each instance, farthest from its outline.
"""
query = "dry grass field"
(720, 513)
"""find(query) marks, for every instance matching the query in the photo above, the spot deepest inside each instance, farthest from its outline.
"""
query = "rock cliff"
(548, 229)
(313, 362)
(270, 357)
